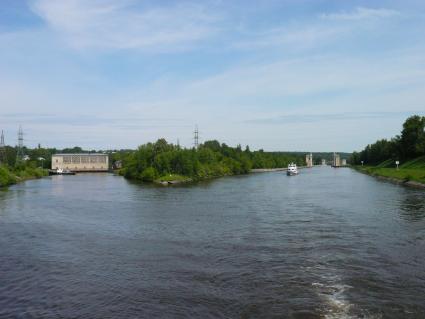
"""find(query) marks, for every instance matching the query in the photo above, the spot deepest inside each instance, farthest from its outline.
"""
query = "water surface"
(329, 243)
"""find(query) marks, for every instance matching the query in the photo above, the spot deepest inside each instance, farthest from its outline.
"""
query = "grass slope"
(386, 164)
(413, 170)
(417, 163)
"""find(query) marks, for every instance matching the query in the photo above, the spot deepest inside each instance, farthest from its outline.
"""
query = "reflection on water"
(329, 243)
(412, 206)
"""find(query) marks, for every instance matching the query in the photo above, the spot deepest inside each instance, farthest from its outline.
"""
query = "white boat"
(292, 169)
(60, 171)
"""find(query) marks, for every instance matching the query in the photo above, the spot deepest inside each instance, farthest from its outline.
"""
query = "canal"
(329, 243)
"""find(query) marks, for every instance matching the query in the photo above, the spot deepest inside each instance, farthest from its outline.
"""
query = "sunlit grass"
(404, 174)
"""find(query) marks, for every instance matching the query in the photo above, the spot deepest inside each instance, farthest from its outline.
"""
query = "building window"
(76, 159)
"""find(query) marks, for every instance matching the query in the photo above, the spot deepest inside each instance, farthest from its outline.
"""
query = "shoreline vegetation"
(9, 176)
(32, 165)
(167, 164)
(160, 162)
(408, 177)
(407, 149)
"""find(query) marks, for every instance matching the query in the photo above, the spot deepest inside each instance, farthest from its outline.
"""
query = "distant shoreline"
(265, 170)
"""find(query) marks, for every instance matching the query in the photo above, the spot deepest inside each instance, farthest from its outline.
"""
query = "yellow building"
(81, 162)
(336, 161)
(309, 160)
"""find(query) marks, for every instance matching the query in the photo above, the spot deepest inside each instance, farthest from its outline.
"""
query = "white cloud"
(330, 28)
(361, 13)
(293, 38)
(111, 24)
(313, 85)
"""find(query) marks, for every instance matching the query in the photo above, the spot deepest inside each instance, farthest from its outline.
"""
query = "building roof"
(81, 154)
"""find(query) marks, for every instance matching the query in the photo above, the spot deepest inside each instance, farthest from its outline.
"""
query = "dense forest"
(162, 160)
(409, 145)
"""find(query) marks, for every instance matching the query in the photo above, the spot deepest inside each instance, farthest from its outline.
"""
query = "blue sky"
(306, 75)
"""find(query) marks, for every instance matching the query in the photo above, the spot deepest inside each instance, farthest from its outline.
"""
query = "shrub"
(149, 174)
(6, 177)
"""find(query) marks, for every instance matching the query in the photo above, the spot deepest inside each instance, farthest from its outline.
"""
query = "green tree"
(149, 174)
(413, 137)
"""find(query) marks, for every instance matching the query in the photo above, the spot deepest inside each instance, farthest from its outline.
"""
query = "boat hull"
(53, 172)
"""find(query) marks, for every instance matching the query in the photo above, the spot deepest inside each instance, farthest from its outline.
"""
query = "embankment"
(9, 177)
(412, 177)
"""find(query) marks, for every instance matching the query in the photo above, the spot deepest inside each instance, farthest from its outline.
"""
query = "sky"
(288, 75)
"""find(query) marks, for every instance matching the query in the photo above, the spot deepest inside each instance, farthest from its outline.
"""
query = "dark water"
(325, 244)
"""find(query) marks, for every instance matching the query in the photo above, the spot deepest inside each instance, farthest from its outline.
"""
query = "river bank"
(266, 170)
(10, 177)
(408, 177)
(172, 179)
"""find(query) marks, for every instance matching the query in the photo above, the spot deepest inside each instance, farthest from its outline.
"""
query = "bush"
(149, 174)
(6, 177)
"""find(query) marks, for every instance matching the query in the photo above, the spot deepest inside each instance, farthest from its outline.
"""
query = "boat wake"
(336, 304)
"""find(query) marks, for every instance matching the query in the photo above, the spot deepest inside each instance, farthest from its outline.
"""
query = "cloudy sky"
(307, 75)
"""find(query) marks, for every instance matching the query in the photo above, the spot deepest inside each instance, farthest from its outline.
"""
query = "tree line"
(211, 159)
(38, 156)
(408, 145)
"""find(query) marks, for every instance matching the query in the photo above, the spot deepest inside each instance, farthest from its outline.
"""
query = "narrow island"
(165, 163)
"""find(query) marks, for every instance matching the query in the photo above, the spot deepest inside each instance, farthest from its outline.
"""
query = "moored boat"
(60, 171)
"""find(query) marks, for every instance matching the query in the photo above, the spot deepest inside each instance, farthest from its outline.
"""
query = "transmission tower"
(196, 137)
(20, 152)
(3, 159)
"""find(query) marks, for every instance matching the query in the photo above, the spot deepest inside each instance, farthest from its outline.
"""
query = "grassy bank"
(12, 176)
(417, 175)
(413, 170)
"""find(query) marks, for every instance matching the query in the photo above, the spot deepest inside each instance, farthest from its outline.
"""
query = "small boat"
(292, 169)
(60, 171)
